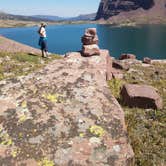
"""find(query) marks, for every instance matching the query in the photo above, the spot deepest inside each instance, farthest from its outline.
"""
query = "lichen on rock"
(64, 114)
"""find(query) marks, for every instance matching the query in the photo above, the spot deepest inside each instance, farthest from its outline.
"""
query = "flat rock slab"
(142, 96)
(90, 50)
(63, 115)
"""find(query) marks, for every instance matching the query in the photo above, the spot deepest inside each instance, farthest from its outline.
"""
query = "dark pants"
(43, 44)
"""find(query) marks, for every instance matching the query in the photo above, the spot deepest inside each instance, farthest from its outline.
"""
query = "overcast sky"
(65, 8)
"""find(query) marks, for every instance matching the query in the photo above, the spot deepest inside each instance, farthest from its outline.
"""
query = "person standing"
(43, 40)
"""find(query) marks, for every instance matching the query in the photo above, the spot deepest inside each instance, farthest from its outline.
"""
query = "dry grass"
(18, 64)
(146, 128)
(16, 23)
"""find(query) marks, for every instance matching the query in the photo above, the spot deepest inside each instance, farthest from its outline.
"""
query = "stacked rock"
(90, 43)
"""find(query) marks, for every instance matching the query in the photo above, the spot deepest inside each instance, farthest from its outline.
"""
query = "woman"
(43, 40)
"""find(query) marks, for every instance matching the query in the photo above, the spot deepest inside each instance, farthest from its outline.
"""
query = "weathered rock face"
(64, 115)
(109, 8)
(142, 96)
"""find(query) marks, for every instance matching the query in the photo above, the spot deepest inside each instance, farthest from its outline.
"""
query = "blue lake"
(144, 41)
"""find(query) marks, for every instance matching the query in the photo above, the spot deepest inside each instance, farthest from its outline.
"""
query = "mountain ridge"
(7, 16)
(81, 17)
(119, 10)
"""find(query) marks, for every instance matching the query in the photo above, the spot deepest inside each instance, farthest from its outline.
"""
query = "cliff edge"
(138, 10)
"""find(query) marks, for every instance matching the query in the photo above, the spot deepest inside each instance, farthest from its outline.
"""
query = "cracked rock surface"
(63, 115)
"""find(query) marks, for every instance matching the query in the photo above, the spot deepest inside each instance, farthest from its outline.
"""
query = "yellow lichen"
(81, 134)
(7, 142)
(20, 135)
(24, 104)
(15, 152)
(22, 118)
(53, 97)
(1, 129)
(5, 139)
(23, 115)
(45, 162)
(97, 130)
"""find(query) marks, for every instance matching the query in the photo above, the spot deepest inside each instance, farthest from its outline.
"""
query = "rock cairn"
(90, 43)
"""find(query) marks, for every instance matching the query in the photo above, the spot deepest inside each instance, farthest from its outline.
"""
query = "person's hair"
(43, 24)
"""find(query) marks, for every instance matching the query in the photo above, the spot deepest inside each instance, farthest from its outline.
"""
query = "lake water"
(144, 41)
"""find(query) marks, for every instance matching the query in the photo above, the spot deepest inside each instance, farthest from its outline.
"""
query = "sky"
(65, 8)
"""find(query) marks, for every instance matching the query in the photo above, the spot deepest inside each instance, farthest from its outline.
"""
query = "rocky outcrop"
(63, 115)
(130, 8)
(142, 96)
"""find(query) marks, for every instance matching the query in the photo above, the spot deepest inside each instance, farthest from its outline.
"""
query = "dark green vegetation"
(146, 128)
(18, 64)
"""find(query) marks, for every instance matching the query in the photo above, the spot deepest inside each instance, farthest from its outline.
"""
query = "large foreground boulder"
(142, 96)
(63, 115)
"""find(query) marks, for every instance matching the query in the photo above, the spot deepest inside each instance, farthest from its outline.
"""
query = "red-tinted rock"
(127, 56)
(147, 60)
(65, 115)
(90, 50)
(142, 96)
(121, 10)
(88, 40)
(90, 43)
(90, 37)
(6, 104)
(91, 32)
(119, 65)
(109, 64)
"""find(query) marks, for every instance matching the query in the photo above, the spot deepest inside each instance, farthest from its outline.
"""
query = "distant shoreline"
(19, 23)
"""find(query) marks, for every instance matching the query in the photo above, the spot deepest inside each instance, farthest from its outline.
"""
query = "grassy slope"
(18, 64)
(146, 128)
